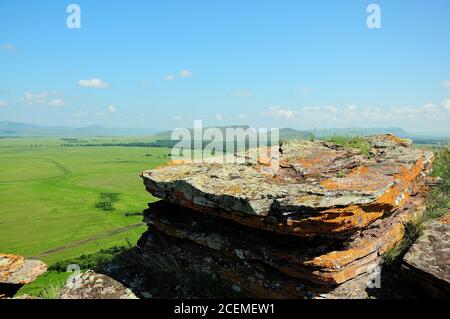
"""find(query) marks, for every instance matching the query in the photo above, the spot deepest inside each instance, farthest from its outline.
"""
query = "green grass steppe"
(49, 193)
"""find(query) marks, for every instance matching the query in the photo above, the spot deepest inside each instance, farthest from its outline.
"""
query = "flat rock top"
(92, 285)
(430, 254)
(18, 270)
(303, 178)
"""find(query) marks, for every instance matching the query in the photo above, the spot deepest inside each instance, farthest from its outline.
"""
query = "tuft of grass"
(51, 292)
(46, 286)
(413, 230)
(439, 200)
(357, 142)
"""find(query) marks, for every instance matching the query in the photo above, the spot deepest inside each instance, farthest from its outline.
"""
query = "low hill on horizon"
(12, 129)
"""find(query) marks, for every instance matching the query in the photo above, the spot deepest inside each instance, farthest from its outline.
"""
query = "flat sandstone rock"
(305, 189)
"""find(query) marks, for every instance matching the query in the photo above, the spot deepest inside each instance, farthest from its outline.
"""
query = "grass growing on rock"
(356, 142)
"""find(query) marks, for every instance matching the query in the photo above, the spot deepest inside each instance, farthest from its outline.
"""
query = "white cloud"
(351, 108)
(222, 117)
(169, 77)
(185, 73)
(242, 93)
(42, 99)
(35, 99)
(56, 102)
(428, 116)
(93, 83)
(3, 104)
(177, 118)
(8, 47)
(446, 84)
(446, 104)
(111, 109)
(276, 111)
(306, 90)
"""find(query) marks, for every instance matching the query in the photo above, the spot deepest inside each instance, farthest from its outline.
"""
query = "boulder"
(92, 285)
(427, 261)
(16, 270)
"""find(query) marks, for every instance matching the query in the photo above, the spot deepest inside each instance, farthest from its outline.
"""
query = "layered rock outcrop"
(310, 188)
(288, 223)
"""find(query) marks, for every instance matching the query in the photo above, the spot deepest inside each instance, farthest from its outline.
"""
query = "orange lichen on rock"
(398, 140)
(9, 264)
(19, 271)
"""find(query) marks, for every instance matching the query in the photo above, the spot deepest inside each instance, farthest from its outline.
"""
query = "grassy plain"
(49, 193)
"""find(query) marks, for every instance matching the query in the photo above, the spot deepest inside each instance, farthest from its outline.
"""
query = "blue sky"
(163, 64)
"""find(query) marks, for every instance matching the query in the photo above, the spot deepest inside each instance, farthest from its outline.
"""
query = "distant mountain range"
(12, 129)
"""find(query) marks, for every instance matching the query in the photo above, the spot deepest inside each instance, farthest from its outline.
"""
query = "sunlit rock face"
(308, 189)
(314, 219)
(16, 270)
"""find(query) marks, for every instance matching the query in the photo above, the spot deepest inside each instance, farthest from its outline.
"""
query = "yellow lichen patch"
(338, 259)
(335, 220)
(177, 162)
(397, 194)
(9, 264)
(445, 219)
(232, 190)
(398, 140)
(264, 160)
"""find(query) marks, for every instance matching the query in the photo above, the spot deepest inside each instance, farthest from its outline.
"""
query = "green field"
(49, 193)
